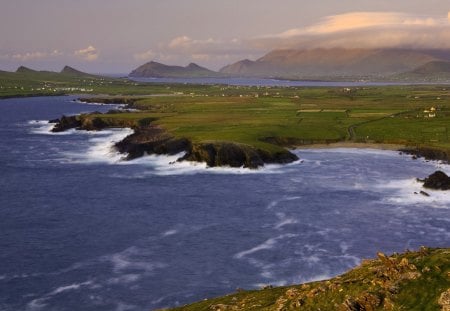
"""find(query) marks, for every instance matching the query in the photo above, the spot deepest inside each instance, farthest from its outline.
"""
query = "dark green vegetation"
(410, 281)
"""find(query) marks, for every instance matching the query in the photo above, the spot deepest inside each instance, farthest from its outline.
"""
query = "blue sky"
(115, 36)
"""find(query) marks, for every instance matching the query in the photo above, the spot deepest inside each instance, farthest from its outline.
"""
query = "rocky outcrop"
(235, 155)
(151, 140)
(429, 153)
(129, 101)
(438, 181)
(66, 123)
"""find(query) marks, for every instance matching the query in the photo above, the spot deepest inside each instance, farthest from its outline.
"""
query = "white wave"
(407, 192)
(101, 147)
(74, 286)
(284, 221)
(132, 259)
(268, 244)
(40, 303)
(275, 203)
(124, 279)
(169, 232)
(42, 127)
(167, 165)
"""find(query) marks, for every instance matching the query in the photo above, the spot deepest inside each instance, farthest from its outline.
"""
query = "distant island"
(158, 70)
(338, 64)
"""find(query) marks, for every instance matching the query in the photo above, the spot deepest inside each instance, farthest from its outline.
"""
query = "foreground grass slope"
(409, 281)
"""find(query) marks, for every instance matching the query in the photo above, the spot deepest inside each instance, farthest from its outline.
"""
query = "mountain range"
(321, 64)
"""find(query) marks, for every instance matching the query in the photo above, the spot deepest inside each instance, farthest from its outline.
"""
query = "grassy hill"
(412, 281)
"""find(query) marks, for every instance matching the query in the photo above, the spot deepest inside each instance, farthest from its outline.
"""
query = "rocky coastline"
(151, 139)
(428, 153)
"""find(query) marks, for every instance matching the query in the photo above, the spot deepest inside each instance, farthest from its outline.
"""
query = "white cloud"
(350, 30)
(364, 30)
(209, 52)
(89, 54)
(30, 56)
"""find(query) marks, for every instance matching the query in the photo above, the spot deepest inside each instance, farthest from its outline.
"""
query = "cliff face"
(235, 155)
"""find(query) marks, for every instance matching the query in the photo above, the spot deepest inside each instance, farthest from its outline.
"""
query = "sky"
(116, 36)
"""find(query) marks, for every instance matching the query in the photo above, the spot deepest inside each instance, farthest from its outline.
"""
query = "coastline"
(348, 144)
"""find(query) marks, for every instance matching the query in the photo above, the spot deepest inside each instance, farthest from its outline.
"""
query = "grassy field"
(263, 117)
(299, 116)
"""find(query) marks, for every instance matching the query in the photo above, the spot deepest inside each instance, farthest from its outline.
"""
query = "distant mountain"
(23, 69)
(334, 63)
(434, 67)
(434, 71)
(158, 70)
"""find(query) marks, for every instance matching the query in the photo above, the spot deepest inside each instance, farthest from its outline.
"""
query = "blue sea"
(83, 230)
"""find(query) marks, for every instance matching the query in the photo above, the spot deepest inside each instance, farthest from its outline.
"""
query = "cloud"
(364, 30)
(349, 30)
(209, 52)
(30, 56)
(89, 54)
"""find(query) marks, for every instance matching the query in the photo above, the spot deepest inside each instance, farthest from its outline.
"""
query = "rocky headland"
(152, 139)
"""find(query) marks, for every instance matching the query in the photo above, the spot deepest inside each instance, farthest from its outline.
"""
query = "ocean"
(81, 229)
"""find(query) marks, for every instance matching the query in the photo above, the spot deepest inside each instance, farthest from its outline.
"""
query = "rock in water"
(438, 181)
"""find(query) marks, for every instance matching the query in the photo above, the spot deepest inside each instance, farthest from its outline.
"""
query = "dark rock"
(66, 123)
(151, 140)
(93, 124)
(429, 153)
(424, 193)
(225, 154)
(438, 181)
(235, 155)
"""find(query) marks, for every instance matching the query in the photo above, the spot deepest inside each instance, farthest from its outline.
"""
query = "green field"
(299, 116)
(269, 118)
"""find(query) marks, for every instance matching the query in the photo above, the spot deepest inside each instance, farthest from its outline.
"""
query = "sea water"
(81, 229)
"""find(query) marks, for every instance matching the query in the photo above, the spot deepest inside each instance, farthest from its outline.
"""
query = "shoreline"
(347, 144)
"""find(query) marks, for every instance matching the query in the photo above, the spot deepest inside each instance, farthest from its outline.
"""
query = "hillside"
(410, 281)
(334, 63)
(28, 82)
(158, 70)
